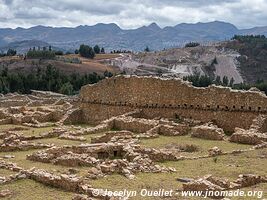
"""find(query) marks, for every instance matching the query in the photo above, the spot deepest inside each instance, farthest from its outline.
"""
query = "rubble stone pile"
(248, 137)
(208, 131)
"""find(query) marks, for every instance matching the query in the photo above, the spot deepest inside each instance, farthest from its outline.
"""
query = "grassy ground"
(97, 56)
(29, 190)
(5, 172)
(229, 166)
(6, 127)
(28, 130)
(20, 156)
(203, 145)
(37, 131)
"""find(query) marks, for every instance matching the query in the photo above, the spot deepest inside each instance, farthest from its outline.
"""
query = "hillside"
(243, 59)
(111, 36)
(68, 64)
(23, 46)
(253, 59)
(180, 62)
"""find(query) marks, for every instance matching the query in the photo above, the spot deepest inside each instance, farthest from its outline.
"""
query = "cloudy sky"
(131, 13)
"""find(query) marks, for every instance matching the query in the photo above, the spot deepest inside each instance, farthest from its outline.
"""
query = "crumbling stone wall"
(169, 98)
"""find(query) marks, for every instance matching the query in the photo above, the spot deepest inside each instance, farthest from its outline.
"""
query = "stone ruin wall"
(169, 98)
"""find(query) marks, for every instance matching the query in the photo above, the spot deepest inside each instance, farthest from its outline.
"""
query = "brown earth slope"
(63, 63)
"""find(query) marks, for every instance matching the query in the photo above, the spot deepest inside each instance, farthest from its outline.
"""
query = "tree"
(217, 80)
(48, 79)
(108, 74)
(231, 82)
(76, 51)
(59, 53)
(204, 81)
(86, 51)
(66, 88)
(214, 61)
(96, 49)
(4, 72)
(147, 49)
(103, 50)
(192, 44)
(41, 54)
(11, 52)
(225, 81)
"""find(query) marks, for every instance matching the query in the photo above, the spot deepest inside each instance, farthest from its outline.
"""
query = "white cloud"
(131, 13)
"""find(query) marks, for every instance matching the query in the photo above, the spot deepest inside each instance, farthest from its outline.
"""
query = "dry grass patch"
(203, 145)
(37, 131)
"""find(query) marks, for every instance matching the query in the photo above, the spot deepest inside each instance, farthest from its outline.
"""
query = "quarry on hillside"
(180, 62)
(133, 133)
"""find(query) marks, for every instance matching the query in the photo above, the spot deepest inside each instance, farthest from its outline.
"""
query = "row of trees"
(48, 53)
(204, 81)
(41, 54)
(47, 79)
(120, 51)
(10, 52)
(86, 51)
(89, 52)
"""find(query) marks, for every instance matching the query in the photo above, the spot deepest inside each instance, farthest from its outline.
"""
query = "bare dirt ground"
(63, 63)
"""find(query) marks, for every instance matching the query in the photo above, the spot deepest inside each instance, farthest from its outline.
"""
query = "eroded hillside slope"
(213, 61)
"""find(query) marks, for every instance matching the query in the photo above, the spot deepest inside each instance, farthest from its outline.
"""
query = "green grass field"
(228, 166)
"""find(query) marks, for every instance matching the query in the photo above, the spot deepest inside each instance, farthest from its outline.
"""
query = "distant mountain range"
(111, 36)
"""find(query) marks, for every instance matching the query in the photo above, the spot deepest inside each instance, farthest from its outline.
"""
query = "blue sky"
(131, 13)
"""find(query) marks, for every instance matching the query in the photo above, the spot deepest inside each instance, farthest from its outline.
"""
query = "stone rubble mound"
(208, 131)
(250, 136)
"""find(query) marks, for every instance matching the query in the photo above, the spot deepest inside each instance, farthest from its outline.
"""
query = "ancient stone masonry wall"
(169, 98)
